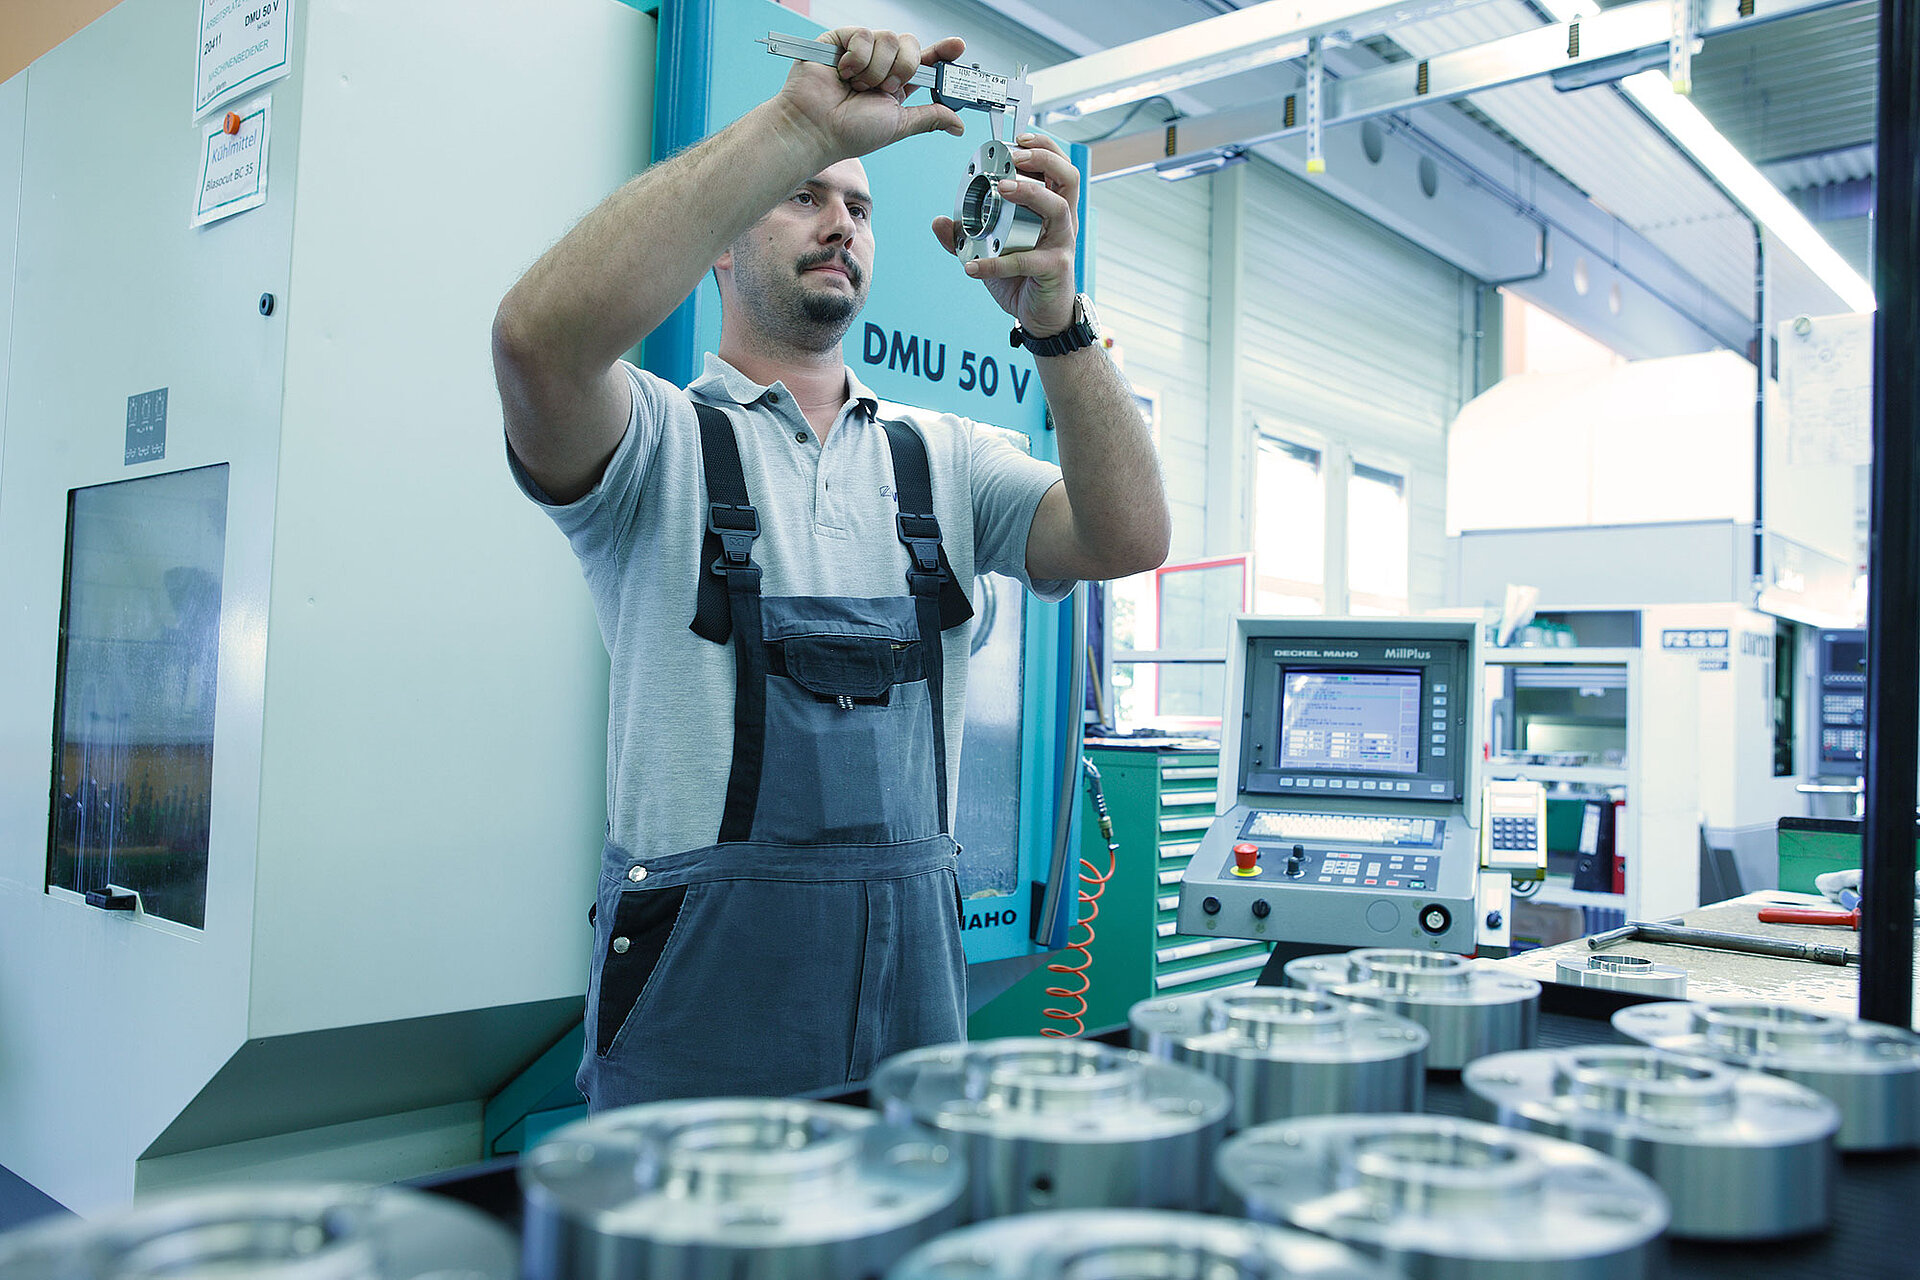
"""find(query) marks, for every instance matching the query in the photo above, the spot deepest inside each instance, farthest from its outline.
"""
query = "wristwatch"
(1083, 331)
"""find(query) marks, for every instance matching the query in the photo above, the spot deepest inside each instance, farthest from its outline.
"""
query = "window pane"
(1130, 614)
(1197, 605)
(1289, 529)
(1376, 542)
(1192, 691)
(139, 652)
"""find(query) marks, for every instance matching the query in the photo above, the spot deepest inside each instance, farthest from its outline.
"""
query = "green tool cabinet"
(1161, 799)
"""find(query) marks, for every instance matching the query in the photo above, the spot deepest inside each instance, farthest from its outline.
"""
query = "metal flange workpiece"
(1468, 1008)
(1284, 1053)
(1697, 1127)
(1871, 1072)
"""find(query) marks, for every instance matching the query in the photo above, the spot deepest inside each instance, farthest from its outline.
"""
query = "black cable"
(1128, 119)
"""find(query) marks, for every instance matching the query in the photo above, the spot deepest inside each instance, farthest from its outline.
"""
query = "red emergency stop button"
(1245, 855)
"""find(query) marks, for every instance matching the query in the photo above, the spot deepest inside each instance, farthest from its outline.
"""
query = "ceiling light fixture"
(1694, 134)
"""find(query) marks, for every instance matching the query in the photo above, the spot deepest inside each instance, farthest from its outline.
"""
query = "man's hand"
(1034, 286)
(859, 105)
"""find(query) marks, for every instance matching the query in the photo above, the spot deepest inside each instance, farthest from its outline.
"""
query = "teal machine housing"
(932, 337)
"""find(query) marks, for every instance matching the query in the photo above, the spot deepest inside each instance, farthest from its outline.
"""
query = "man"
(773, 562)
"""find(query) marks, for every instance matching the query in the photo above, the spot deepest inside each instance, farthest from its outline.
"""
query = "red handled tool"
(1800, 915)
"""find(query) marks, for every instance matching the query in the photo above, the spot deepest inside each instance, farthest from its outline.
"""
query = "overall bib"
(820, 933)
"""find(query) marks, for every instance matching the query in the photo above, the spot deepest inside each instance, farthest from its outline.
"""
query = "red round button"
(1245, 855)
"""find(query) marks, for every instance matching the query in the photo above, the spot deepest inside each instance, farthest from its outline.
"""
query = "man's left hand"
(1034, 286)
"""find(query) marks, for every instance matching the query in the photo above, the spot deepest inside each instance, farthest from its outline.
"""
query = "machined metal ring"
(985, 223)
(290, 1232)
(1609, 971)
(1063, 1124)
(1283, 1052)
(725, 1187)
(1136, 1244)
(1695, 1126)
(1871, 1072)
(1444, 1197)
(1468, 1008)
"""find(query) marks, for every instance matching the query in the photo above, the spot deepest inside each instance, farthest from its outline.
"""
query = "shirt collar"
(721, 381)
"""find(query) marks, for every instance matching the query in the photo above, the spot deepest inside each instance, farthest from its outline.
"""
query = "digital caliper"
(985, 224)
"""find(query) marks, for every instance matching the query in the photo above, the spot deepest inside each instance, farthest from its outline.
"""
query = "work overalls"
(821, 932)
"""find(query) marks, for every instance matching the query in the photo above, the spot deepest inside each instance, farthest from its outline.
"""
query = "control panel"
(1842, 667)
(1346, 814)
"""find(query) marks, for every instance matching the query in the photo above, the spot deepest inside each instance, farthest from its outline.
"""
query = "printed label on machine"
(233, 165)
(242, 46)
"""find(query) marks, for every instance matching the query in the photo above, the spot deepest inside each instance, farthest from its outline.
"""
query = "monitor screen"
(1351, 721)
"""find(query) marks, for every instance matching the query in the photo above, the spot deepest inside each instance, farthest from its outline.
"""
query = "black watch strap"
(1080, 333)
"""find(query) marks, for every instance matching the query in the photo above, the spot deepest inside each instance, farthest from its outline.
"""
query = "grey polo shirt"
(826, 529)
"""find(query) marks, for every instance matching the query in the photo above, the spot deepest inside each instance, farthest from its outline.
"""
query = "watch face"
(1087, 312)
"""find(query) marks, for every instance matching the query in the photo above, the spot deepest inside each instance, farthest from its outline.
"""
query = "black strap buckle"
(922, 536)
(736, 527)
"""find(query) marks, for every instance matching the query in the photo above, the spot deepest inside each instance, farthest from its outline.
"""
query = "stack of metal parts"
(1872, 1072)
(735, 1187)
(1438, 1197)
(1062, 1124)
(1741, 1155)
(1609, 971)
(286, 1232)
(1135, 1245)
(1469, 1009)
(1284, 1053)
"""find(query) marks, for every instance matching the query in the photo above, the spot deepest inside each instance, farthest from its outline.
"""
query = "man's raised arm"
(1108, 516)
(612, 280)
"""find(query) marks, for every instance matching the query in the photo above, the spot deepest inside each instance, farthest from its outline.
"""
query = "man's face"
(803, 270)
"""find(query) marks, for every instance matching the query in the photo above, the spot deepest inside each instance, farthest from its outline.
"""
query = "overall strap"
(938, 601)
(913, 483)
(729, 604)
(732, 523)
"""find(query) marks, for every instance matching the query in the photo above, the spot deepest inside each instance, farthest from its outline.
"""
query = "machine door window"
(134, 693)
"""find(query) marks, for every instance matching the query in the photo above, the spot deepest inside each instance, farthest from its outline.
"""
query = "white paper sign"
(233, 166)
(243, 47)
(1826, 376)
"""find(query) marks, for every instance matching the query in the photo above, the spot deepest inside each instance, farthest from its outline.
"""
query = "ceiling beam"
(1609, 45)
(1243, 40)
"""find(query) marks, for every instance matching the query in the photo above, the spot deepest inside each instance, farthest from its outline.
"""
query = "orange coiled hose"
(1093, 883)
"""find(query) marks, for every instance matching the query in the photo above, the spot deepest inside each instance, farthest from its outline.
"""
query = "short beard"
(837, 309)
(832, 308)
(804, 318)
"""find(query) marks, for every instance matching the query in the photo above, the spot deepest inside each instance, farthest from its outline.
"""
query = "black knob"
(1210, 905)
(1260, 908)
(1493, 919)
(1435, 918)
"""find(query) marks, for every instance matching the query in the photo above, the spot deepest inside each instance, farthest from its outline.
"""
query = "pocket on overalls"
(641, 926)
(849, 755)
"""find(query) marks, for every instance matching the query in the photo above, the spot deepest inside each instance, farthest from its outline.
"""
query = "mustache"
(835, 256)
